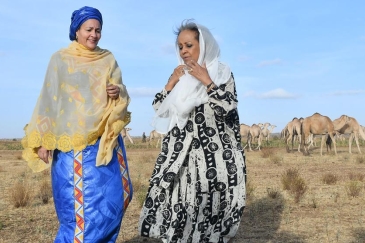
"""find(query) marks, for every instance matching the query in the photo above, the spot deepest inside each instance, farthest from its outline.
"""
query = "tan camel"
(271, 129)
(155, 135)
(244, 131)
(352, 127)
(293, 130)
(312, 141)
(265, 130)
(254, 132)
(319, 125)
(125, 133)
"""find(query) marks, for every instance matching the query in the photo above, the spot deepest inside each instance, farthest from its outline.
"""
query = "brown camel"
(352, 127)
(158, 136)
(293, 130)
(244, 131)
(254, 132)
(318, 125)
(125, 133)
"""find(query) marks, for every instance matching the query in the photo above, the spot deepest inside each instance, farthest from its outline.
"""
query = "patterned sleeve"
(159, 97)
(223, 99)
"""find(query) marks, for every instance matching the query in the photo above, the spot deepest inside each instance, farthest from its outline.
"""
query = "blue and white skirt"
(90, 201)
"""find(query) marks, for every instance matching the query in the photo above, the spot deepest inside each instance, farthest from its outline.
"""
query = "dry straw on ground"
(292, 198)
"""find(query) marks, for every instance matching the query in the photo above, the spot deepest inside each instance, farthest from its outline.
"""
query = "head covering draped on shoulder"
(80, 16)
(190, 92)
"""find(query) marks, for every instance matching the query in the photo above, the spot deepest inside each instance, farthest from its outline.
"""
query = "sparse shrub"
(353, 188)
(329, 179)
(19, 157)
(360, 159)
(288, 177)
(294, 184)
(273, 192)
(276, 159)
(356, 176)
(20, 194)
(45, 191)
(267, 152)
(298, 189)
(314, 202)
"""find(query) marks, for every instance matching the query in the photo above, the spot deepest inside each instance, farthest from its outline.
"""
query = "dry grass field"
(291, 197)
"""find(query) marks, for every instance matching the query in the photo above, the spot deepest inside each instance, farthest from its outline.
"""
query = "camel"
(319, 125)
(254, 132)
(293, 129)
(244, 131)
(265, 131)
(271, 129)
(352, 127)
(158, 136)
(312, 141)
(363, 129)
(125, 133)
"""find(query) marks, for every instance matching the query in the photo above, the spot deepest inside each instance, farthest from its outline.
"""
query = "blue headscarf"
(80, 16)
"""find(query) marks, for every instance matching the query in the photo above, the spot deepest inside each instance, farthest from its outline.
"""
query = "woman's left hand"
(199, 72)
(112, 91)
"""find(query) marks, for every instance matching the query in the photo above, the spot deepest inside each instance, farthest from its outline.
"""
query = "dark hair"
(187, 24)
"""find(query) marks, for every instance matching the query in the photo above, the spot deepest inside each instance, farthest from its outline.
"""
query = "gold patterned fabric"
(73, 109)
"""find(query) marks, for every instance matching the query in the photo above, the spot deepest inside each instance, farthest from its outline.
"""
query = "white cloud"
(347, 92)
(265, 63)
(272, 94)
(142, 92)
(277, 94)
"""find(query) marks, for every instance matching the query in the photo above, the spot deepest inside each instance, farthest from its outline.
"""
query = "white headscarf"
(190, 92)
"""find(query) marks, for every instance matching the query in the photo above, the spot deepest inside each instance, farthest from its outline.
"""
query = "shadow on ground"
(261, 221)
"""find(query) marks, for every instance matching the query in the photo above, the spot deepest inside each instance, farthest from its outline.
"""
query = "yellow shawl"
(73, 109)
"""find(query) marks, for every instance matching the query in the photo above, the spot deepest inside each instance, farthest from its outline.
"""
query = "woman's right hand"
(174, 78)
(43, 154)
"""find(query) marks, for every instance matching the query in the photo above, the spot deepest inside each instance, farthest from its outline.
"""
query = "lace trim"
(65, 142)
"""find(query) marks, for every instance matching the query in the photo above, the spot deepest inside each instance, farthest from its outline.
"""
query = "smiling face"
(89, 34)
(188, 44)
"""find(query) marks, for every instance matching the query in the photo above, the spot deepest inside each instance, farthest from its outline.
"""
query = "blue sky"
(289, 58)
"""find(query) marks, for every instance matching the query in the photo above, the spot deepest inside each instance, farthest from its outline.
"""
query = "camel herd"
(153, 135)
(304, 129)
(301, 129)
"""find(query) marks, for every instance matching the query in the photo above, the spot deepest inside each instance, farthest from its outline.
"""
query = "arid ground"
(325, 202)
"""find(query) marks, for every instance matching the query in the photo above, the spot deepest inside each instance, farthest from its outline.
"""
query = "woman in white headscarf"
(197, 188)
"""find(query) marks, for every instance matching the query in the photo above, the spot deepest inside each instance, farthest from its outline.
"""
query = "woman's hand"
(175, 76)
(43, 154)
(199, 72)
(113, 91)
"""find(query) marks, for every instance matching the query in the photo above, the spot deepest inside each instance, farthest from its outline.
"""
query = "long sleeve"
(223, 99)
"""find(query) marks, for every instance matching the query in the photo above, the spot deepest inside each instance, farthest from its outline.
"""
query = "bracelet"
(211, 86)
(208, 86)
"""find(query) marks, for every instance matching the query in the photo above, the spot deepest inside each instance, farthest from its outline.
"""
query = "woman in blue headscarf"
(75, 130)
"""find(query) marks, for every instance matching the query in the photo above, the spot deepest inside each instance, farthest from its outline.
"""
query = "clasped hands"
(200, 72)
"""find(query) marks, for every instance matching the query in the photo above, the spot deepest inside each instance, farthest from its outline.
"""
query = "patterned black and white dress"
(197, 188)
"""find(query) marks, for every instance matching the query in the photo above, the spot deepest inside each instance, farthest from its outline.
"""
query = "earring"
(77, 37)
